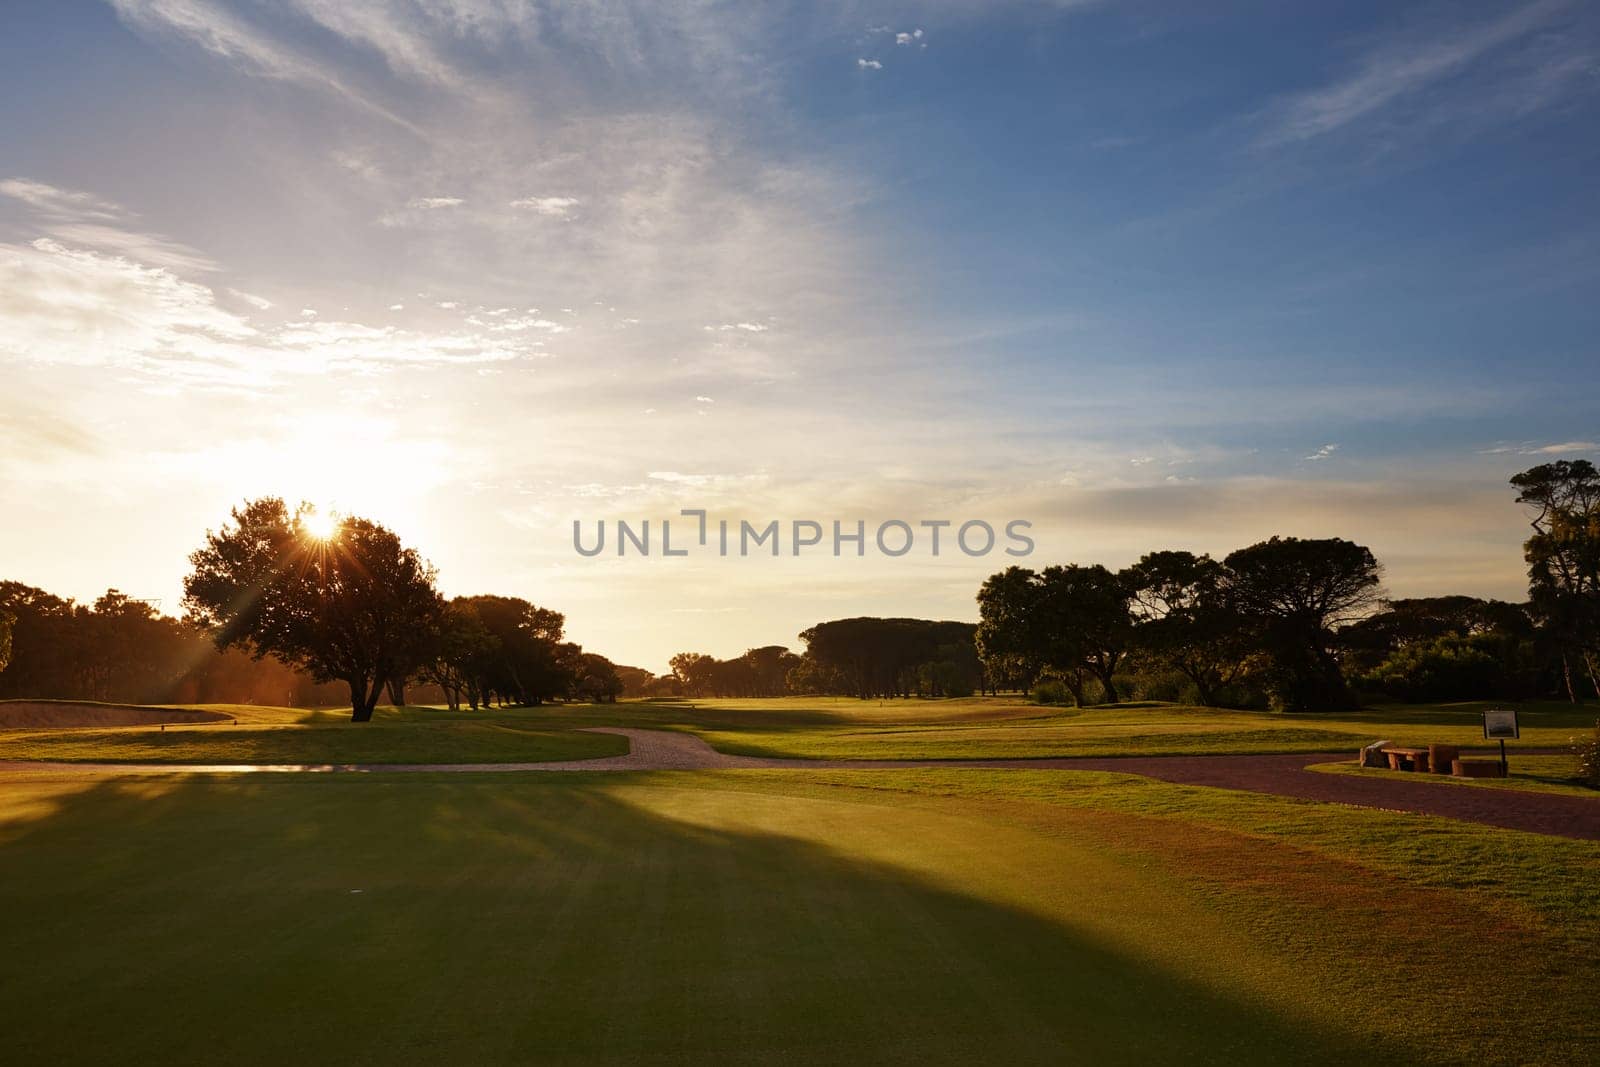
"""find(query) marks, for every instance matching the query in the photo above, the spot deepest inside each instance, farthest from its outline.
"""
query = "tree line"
(277, 611)
(1293, 623)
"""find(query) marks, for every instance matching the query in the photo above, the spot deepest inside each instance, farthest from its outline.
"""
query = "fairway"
(753, 916)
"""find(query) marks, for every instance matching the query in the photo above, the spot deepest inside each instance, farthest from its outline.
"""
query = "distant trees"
(872, 657)
(357, 606)
(759, 672)
(120, 650)
(1270, 609)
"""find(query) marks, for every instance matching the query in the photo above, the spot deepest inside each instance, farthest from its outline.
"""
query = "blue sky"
(1151, 274)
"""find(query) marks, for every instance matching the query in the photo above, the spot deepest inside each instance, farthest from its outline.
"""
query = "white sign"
(1501, 724)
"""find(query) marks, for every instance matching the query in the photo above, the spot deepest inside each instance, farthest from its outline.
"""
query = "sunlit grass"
(885, 916)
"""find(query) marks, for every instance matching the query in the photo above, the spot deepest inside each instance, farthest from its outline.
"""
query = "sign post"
(1499, 724)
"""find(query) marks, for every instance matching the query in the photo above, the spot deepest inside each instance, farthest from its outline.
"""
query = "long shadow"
(526, 920)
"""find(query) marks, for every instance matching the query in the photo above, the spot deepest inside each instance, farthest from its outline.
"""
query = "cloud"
(260, 303)
(704, 400)
(81, 307)
(245, 42)
(905, 39)
(1403, 70)
(78, 218)
(430, 203)
(1323, 453)
(869, 64)
(1527, 449)
(50, 200)
(559, 207)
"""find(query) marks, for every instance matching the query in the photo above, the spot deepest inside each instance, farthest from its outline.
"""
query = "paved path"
(1279, 775)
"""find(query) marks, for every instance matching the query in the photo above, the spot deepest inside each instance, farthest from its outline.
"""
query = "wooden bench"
(1477, 768)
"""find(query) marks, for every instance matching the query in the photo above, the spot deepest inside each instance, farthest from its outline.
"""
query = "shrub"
(1588, 752)
(1447, 668)
(1052, 691)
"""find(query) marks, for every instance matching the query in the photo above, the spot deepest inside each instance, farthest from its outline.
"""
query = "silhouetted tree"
(1563, 558)
(1186, 620)
(1294, 593)
(357, 606)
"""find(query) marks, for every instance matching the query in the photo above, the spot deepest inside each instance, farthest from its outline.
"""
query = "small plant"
(1588, 752)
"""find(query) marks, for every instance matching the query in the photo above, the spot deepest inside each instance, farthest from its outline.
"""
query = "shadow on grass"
(437, 920)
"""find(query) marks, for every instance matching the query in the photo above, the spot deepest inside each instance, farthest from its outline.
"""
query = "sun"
(320, 525)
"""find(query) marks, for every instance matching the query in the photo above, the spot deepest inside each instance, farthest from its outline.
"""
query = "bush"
(1588, 753)
(1052, 691)
(1448, 668)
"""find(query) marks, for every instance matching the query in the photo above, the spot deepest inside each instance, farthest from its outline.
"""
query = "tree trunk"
(397, 692)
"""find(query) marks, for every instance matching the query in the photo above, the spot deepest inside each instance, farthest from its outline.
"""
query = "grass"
(999, 727)
(801, 727)
(287, 735)
(1533, 774)
(935, 916)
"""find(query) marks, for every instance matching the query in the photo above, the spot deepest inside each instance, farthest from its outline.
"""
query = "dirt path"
(1278, 775)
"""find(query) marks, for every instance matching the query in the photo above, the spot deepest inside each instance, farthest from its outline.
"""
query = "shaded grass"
(918, 916)
(386, 741)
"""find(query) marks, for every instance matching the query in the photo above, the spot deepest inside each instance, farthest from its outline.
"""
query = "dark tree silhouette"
(1294, 593)
(1186, 619)
(357, 606)
(1564, 562)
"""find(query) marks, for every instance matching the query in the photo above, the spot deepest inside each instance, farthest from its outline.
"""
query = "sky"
(1145, 274)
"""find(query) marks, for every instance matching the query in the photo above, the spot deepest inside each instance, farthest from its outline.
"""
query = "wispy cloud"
(868, 64)
(559, 207)
(1403, 70)
(1323, 453)
(1528, 449)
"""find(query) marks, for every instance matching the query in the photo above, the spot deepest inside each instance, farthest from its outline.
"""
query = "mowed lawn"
(928, 916)
(1008, 727)
(800, 727)
(301, 736)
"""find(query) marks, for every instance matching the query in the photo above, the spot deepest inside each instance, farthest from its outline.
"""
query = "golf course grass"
(907, 916)
(797, 727)
(934, 915)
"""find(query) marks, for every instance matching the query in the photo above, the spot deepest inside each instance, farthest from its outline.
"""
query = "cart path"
(1271, 773)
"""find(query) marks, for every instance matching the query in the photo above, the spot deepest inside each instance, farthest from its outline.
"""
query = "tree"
(462, 647)
(1087, 622)
(7, 621)
(1185, 619)
(1563, 558)
(356, 606)
(1008, 640)
(597, 680)
(528, 665)
(1294, 593)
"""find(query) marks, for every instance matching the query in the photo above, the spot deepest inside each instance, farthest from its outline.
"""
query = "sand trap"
(65, 715)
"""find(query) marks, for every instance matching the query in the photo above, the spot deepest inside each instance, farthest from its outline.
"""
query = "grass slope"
(757, 917)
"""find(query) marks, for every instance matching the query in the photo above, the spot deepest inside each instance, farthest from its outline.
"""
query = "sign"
(1500, 724)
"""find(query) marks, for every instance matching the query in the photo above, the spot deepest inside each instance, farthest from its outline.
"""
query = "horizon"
(1144, 276)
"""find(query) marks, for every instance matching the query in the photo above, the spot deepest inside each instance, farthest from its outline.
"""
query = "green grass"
(999, 727)
(1532, 774)
(936, 916)
(801, 727)
(416, 736)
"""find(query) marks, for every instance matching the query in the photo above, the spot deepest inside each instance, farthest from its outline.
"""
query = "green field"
(808, 728)
(796, 916)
